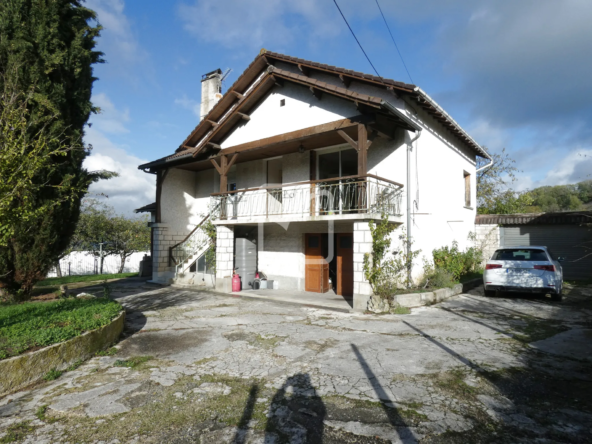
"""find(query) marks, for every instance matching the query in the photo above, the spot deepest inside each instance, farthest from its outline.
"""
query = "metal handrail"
(193, 242)
(344, 195)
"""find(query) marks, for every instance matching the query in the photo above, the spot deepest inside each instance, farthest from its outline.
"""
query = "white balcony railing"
(345, 195)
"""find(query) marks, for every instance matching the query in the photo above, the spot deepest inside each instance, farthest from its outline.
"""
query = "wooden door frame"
(339, 267)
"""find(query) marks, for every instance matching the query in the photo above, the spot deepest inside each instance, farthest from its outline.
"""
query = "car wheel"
(557, 296)
(490, 293)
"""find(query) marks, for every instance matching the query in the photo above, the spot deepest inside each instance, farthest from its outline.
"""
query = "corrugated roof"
(561, 218)
(150, 208)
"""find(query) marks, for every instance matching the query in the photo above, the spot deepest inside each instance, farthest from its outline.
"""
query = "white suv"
(524, 269)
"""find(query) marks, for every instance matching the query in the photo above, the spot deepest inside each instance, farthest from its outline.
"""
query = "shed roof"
(560, 218)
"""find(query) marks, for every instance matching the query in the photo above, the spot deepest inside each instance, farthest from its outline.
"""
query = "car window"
(520, 255)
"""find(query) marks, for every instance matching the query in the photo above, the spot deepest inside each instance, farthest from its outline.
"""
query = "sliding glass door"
(337, 193)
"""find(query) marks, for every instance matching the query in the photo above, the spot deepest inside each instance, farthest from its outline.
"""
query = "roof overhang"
(261, 76)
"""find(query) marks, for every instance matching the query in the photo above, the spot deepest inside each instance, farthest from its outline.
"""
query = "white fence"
(82, 262)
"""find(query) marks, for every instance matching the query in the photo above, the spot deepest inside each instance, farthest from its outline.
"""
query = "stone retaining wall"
(21, 371)
(411, 300)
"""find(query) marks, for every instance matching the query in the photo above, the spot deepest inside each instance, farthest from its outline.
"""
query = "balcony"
(353, 197)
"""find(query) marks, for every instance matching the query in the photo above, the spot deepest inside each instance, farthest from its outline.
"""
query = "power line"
(352, 31)
(389, 30)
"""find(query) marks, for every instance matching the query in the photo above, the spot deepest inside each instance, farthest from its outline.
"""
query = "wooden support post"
(362, 150)
(362, 166)
(224, 174)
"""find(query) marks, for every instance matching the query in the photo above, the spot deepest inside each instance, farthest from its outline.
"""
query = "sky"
(514, 75)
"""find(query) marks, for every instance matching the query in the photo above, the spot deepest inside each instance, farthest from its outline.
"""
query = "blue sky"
(513, 74)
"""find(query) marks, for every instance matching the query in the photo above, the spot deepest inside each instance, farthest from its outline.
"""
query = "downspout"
(490, 164)
(409, 149)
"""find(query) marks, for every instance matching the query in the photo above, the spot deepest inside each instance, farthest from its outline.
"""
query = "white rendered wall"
(281, 256)
(185, 198)
(301, 110)
(83, 263)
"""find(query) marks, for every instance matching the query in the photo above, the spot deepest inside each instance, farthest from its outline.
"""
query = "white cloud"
(133, 188)
(118, 41)
(256, 23)
(110, 120)
(190, 104)
(575, 167)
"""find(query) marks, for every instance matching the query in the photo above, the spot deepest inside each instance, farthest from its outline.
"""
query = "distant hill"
(562, 197)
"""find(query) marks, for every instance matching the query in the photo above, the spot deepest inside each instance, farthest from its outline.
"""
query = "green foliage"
(495, 195)
(434, 277)
(509, 202)
(561, 197)
(119, 235)
(106, 290)
(109, 352)
(387, 274)
(456, 262)
(374, 262)
(53, 374)
(210, 229)
(399, 310)
(17, 432)
(46, 58)
(132, 362)
(493, 183)
(33, 324)
(84, 278)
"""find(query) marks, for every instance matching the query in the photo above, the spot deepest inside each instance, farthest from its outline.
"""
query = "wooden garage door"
(316, 273)
(562, 240)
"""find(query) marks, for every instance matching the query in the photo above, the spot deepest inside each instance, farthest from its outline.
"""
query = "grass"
(17, 432)
(84, 278)
(32, 325)
(109, 352)
(132, 362)
(53, 374)
(399, 310)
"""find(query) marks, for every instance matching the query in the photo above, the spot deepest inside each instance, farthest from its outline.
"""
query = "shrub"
(456, 262)
(387, 275)
(437, 278)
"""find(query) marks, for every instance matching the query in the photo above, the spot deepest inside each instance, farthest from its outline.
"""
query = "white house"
(297, 157)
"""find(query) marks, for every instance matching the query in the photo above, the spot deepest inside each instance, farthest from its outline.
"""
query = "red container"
(236, 283)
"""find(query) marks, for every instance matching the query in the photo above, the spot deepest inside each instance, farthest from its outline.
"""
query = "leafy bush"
(39, 324)
(434, 277)
(387, 274)
(456, 262)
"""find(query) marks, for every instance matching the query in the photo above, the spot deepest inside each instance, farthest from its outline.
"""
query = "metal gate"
(562, 240)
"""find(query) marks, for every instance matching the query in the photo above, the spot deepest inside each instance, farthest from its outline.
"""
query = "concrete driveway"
(201, 367)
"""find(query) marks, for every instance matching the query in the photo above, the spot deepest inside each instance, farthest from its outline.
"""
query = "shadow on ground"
(547, 399)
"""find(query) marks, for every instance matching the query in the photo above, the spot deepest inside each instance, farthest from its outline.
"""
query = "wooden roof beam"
(348, 139)
(238, 95)
(243, 116)
(316, 92)
(345, 80)
(304, 70)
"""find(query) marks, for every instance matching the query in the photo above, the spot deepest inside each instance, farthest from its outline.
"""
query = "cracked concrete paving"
(226, 369)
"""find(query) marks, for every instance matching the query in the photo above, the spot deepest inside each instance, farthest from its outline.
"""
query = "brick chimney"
(211, 91)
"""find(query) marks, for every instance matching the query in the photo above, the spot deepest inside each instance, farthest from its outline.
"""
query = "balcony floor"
(328, 300)
(301, 218)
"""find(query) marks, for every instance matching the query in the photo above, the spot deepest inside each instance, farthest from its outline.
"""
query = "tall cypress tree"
(47, 52)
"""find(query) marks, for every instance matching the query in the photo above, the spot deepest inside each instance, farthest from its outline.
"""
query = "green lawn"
(85, 278)
(39, 324)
